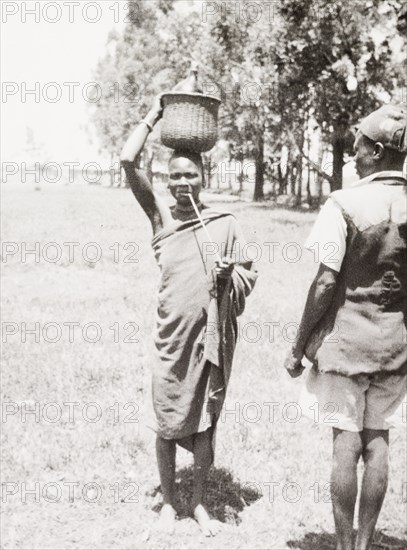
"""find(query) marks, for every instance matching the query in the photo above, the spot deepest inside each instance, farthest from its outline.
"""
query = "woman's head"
(186, 175)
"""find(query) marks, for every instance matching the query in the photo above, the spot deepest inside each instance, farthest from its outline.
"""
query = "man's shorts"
(353, 403)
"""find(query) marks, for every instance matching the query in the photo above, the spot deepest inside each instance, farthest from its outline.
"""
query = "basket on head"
(190, 121)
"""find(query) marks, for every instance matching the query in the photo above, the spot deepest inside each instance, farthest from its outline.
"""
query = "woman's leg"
(166, 452)
(203, 458)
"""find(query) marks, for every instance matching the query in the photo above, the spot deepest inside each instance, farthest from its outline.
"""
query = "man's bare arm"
(319, 299)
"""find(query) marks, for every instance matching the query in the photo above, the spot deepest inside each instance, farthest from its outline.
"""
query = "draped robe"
(196, 327)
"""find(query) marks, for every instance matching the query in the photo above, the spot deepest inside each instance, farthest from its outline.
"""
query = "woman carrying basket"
(199, 299)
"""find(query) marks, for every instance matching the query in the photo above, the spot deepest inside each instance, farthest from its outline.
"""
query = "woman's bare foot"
(209, 527)
(166, 522)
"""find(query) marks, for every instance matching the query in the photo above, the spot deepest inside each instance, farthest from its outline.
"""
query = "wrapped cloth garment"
(196, 328)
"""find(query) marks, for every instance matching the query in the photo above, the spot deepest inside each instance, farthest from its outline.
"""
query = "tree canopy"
(314, 67)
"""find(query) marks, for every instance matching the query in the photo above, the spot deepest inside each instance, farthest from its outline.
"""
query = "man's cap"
(388, 126)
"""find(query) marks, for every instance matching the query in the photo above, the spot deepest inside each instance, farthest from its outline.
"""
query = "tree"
(307, 74)
(334, 64)
(147, 58)
(239, 58)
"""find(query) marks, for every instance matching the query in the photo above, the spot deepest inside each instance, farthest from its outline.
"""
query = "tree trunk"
(208, 166)
(299, 169)
(240, 159)
(338, 148)
(280, 181)
(299, 181)
(119, 175)
(307, 143)
(282, 178)
(319, 178)
(287, 174)
(112, 170)
(259, 181)
(293, 176)
(309, 196)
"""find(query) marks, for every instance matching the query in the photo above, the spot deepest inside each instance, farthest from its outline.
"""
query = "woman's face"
(184, 177)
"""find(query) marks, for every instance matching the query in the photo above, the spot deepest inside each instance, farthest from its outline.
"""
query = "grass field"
(87, 446)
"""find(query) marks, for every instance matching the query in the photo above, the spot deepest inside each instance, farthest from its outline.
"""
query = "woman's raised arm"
(156, 211)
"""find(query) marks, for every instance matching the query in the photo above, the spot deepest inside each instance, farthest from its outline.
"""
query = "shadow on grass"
(326, 541)
(225, 498)
(312, 541)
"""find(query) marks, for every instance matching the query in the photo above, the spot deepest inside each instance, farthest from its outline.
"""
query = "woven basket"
(189, 121)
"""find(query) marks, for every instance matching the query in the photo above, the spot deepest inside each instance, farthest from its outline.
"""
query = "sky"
(39, 48)
(53, 47)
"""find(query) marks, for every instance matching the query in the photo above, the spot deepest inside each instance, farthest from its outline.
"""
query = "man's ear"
(378, 151)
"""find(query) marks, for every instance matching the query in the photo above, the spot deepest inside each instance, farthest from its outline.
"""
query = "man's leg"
(166, 451)
(374, 484)
(203, 458)
(347, 449)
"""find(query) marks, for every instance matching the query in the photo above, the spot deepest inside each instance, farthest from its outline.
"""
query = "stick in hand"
(191, 198)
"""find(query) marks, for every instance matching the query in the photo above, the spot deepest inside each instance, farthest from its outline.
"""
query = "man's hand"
(225, 268)
(293, 364)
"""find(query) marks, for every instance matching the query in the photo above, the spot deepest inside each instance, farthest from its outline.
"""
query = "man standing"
(353, 328)
(199, 301)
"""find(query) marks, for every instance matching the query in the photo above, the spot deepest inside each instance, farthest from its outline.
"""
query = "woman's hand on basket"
(156, 111)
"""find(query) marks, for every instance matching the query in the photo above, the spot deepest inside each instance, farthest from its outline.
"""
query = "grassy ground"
(102, 474)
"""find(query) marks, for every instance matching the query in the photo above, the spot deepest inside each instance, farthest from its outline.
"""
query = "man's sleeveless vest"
(364, 330)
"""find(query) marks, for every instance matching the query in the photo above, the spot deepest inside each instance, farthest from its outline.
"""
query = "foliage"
(336, 64)
(309, 68)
